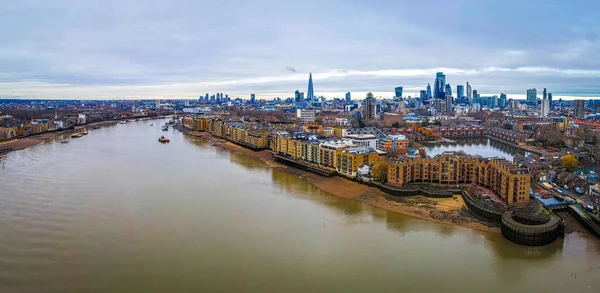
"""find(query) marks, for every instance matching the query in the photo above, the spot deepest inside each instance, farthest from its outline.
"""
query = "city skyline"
(110, 49)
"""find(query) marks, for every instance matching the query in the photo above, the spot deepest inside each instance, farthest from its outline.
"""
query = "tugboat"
(163, 139)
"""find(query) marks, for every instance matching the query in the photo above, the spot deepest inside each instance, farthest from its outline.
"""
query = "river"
(116, 211)
(484, 147)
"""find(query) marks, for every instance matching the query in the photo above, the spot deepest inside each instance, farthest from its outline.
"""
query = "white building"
(305, 115)
(363, 140)
(545, 108)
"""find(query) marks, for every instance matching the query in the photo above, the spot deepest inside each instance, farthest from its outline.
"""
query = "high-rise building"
(298, 96)
(398, 91)
(449, 101)
(448, 90)
(423, 95)
(370, 108)
(429, 96)
(578, 108)
(157, 105)
(502, 103)
(348, 97)
(311, 94)
(545, 108)
(252, 98)
(550, 100)
(206, 98)
(469, 92)
(532, 97)
(460, 91)
(440, 85)
(545, 94)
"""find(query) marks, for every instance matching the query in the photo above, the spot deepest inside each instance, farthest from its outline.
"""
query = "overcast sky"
(149, 49)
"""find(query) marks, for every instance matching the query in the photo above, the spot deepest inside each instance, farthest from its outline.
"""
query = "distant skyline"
(183, 49)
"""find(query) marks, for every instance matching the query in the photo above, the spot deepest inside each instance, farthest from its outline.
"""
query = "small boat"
(76, 135)
(165, 127)
(97, 126)
(85, 132)
(163, 139)
(64, 141)
(151, 124)
(123, 122)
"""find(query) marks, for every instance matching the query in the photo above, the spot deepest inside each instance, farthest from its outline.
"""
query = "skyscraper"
(252, 98)
(550, 100)
(440, 85)
(532, 97)
(311, 94)
(348, 97)
(460, 91)
(398, 91)
(578, 108)
(370, 108)
(544, 95)
(502, 103)
(449, 101)
(298, 96)
(429, 96)
(469, 93)
(545, 108)
(448, 90)
(423, 95)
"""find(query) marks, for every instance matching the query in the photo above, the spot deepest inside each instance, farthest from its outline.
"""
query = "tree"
(379, 171)
(569, 161)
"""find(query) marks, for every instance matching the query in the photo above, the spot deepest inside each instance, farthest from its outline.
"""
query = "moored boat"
(76, 135)
(97, 126)
(165, 127)
(163, 139)
(122, 122)
(85, 132)
(64, 141)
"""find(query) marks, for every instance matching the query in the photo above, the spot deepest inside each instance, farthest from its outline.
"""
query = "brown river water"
(116, 211)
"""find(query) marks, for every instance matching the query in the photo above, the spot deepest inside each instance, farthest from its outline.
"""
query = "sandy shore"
(451, 211)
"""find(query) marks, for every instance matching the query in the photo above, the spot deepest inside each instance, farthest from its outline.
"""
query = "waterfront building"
(330, 150)
(395, 143)
(508, 135)
(350, 158)
(370, 108)
(310, 94)
(362, 140)
(460, 91)
(398, 92)
(510, 182)
(306, 115)
(532, 97)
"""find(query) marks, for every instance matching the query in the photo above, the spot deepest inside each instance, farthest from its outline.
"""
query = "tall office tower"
(578, 108)
(460, 91)
(398, 91)
(348, 97)
(157, 105)
(448, 90)
(544, 95)
(550, 100)
(370, 108)
(545, 108)
(503, 101)
(311, 94)
(449, 102)
(475, 97)
(206, 98)
(252, 98)
(298, 96)
(423, 95)
(591, 104)
(429, 96)
(469, 93)
(440, 85)
(436, 86)
(532, 97)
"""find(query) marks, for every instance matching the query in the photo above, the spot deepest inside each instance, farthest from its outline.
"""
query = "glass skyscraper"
(398, 91)
(460, 91)
(311, 94)
(429, 96)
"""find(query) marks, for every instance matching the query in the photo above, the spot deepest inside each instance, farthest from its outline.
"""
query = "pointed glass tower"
(311, 93)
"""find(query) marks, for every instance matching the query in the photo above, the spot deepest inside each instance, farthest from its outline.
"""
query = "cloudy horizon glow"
(183, 49)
